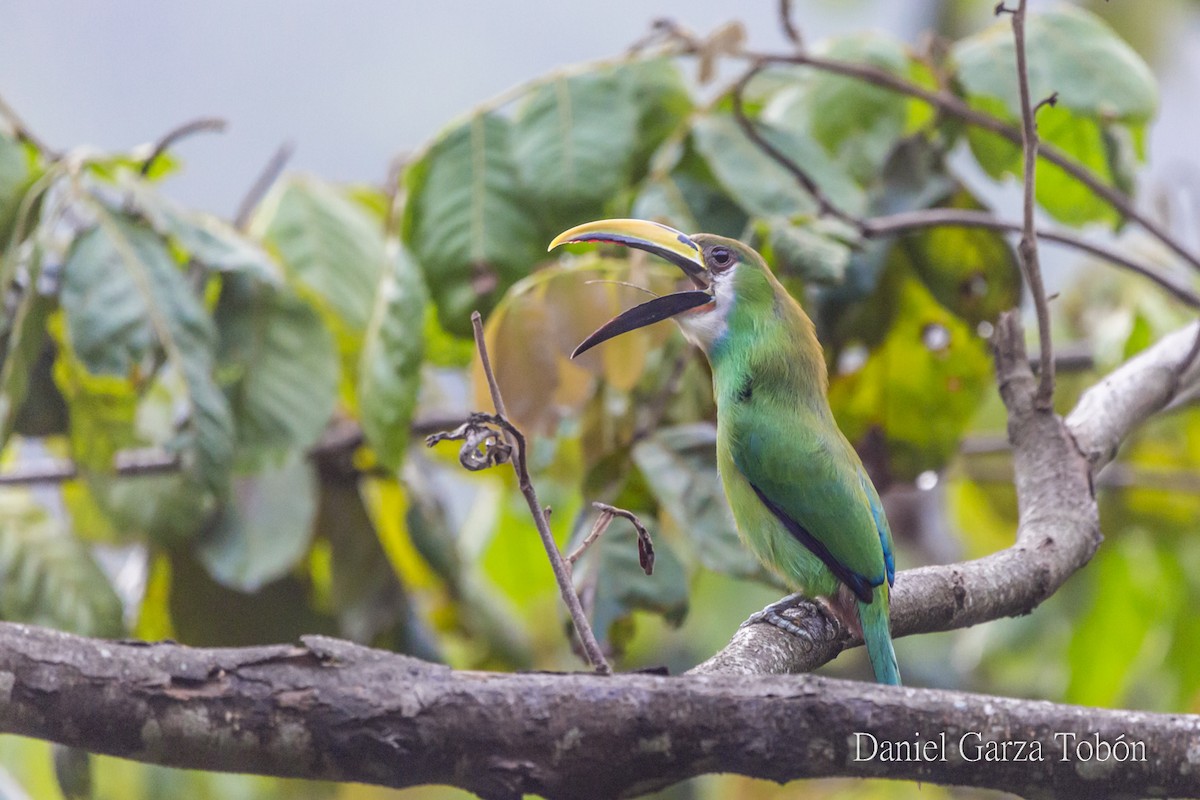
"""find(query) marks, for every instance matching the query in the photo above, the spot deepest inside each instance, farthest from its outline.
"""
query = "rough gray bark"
(337, 711)
(332, 710)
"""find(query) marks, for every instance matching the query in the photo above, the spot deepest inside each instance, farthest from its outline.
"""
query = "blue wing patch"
(881, 525)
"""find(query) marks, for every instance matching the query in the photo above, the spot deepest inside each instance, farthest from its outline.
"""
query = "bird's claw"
(771, 615)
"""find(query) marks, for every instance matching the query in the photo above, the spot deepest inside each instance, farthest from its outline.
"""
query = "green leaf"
(573, 143)
(390, 369)
(264, 529)
(102, 408)
(662, 101)
(680, 466)
(815, 251)
(468, 221)
(623, 587)
(330, 246)
(213, 243)
(369, 599)
(106, 416)
(17, 174)
(921, 385)
(279, 368)
(971, 271)
(856, 122)
(126, 306)
(207, 613)
(1106, 95)
(1069, 51)
(414, 528)
(1134, 593)
(683, 192)
(757, 182)
(533, 330)
(118, 168)
(47, 577)
(580, 140)
(23, 347)
(44, 411)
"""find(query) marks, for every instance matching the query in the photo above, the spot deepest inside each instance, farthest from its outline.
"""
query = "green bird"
(802, 501)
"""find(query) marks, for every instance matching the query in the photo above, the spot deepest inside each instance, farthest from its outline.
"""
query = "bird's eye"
(720, 258)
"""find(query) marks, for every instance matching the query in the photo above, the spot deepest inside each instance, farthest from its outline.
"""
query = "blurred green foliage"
(280, 369)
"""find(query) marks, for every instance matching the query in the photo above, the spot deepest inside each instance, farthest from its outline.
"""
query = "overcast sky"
(351, 83)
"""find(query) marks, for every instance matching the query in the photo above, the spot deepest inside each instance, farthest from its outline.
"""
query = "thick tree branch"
(332, 710)
(1054, 466)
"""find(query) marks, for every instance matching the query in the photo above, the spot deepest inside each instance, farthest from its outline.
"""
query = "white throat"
(707, 324)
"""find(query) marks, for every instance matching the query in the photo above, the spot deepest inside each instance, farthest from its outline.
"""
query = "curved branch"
(1054, 463)
(171, 137)
(952, 104)
(825, 206)
(877, 227)
(332, 710)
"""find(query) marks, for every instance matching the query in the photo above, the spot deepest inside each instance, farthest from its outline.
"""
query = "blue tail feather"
(878, 636)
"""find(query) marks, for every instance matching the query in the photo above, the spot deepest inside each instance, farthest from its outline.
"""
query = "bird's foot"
(772, 615)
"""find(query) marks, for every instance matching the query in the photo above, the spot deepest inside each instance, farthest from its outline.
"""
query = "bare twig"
(23, 133)
(486, 362)
(825, 206)
(127, 464)
(562, 572)
(935, 217)
(790, 31)
(168, 139)
(971, 218)
(262, 184)
(607, 514)
(949, 103)
(598, 528)
(1028, 244)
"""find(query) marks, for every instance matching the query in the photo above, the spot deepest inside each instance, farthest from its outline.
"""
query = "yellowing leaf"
(533, 331)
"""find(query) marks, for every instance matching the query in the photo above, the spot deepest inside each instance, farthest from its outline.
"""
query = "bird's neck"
(769, 354)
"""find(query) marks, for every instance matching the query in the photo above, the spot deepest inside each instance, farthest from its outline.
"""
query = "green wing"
(803, 469)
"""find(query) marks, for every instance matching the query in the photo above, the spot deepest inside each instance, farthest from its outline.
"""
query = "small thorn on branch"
(1002, 9)
(1051, 101)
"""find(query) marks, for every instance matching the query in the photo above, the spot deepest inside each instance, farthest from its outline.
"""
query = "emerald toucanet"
(802, 501)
